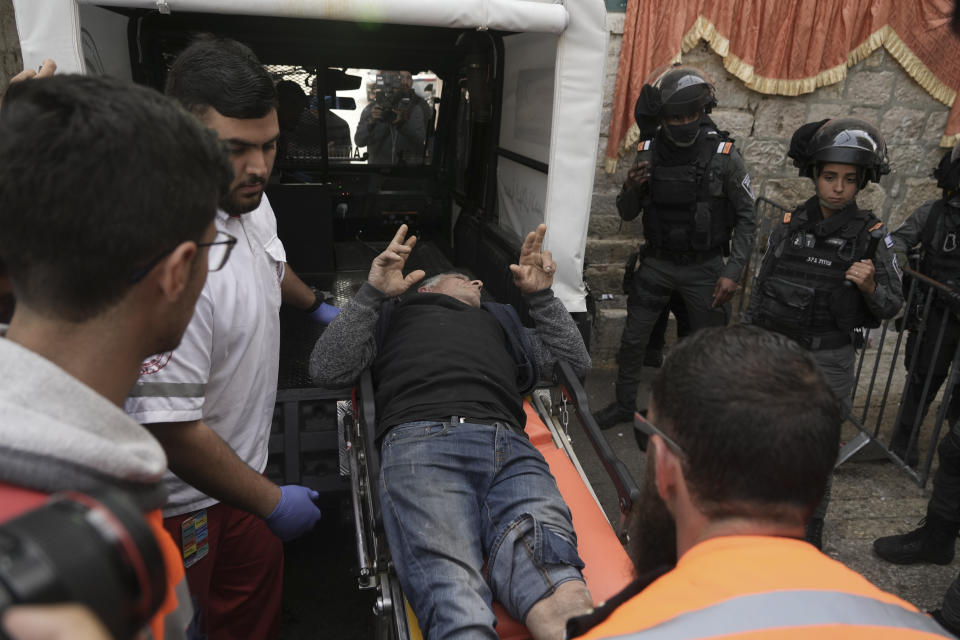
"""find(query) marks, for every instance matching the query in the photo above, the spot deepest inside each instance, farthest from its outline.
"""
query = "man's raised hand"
(536, 267)
(386, 272)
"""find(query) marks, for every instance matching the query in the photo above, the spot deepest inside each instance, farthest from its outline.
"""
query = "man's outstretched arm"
(556, 335)
(348, 345)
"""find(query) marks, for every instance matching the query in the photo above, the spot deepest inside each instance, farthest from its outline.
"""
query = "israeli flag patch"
(746, 186)
(887, 240)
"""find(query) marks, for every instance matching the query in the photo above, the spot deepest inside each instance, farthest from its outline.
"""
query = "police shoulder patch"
(888, 240)
(745, 183)
(787, 216)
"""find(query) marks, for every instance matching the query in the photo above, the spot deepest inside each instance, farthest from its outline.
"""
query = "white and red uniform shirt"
(225, 369)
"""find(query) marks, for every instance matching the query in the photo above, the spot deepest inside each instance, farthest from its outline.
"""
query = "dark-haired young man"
(746, 434)
(106, 265)
(210, 402)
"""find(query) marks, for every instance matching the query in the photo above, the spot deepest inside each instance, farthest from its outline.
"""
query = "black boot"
(619, 411)
(932, 542)
(612, 415)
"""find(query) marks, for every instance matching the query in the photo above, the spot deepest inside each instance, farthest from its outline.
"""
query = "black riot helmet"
(672, 91)
(947, 172)
(842, 140)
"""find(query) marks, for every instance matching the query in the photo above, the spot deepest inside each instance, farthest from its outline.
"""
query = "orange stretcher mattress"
(608, 568)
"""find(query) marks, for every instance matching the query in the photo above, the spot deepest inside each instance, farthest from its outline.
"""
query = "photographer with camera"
(107, 197)
(393, 132)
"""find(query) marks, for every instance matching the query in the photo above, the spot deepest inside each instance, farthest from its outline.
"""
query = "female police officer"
(828, 268)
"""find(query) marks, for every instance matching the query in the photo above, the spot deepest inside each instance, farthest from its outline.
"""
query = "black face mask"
(683, 135)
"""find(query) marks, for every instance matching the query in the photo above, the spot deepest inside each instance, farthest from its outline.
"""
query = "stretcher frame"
(601, 544)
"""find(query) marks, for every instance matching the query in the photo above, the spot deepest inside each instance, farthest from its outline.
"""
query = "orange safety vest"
(172, 614)
(762, 587)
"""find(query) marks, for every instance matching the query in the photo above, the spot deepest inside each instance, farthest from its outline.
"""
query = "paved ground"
(870, 499)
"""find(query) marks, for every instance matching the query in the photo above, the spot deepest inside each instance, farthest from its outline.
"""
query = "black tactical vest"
(685, 209)
(802, 290)
(940, 240)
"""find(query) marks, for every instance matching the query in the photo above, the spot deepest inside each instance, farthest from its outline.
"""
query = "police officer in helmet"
(935, 226)
(828, 268)
(692, 187)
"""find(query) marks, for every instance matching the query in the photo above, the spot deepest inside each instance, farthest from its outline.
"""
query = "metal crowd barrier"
(768, 213)
(882, 380)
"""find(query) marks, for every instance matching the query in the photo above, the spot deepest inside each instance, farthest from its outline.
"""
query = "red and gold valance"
(787, 47)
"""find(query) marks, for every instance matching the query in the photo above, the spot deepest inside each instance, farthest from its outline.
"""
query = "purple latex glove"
(295, 514)
(324, 314)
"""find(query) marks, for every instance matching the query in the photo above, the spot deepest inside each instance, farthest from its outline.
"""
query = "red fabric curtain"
(788, 47)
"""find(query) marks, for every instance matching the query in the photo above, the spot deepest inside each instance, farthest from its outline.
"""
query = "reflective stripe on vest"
(786, 609)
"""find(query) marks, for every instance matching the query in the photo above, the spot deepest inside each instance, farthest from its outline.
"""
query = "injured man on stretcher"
(470, 509)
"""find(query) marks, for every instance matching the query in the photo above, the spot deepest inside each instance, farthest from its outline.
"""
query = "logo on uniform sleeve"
(950, 242)
(155, 363)
(746, 186)
(888, 240)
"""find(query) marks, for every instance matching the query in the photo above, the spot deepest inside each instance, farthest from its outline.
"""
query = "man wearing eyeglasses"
(87, 310)
(210, 402)
(744, 432)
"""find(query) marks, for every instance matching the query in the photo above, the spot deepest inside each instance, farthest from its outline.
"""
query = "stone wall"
(10, 61)
(876, 89)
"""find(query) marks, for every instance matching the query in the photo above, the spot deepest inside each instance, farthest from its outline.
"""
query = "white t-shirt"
(225, 369)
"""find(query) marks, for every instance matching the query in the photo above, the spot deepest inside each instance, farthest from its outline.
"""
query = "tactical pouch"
(786, 305)
(630, 272)
(674, 185)
(701, 239)
(846, 307)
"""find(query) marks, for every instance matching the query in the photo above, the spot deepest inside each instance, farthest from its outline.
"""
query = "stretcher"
(608, 568)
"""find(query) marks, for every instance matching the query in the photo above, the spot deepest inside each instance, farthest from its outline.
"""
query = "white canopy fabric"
(52, 29)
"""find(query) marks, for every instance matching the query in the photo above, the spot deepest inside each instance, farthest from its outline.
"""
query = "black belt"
(455, 420)
(814, 343)
(828, 341)
(682, 257)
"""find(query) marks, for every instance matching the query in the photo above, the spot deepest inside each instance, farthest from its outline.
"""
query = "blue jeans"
(453, 496)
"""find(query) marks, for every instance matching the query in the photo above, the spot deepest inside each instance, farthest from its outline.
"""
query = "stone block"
(936, 124)
(876, 59)
(830, 93)
(787, 192)
(778, 117)
(604, 278)
(914, 160)
(764, 157)
(820, 111)
(615, 23)
(604, 204)
(612, 251)
(738, 122)
(604, 226)
(609, 87)
(908, 92)
(902, 124)
(732, 93)
(605, 338)
(873, 197)
(870, 87)
(916, 192)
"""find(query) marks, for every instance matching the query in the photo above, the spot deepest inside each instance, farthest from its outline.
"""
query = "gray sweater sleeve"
(556, 335)
(349, 344)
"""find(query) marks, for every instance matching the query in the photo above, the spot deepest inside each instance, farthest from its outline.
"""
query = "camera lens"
(95, 551)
